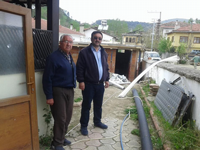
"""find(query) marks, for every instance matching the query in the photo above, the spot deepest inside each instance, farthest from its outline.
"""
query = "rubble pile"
(119, 79)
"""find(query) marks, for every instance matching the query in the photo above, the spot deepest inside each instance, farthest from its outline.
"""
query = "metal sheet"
(168, 100)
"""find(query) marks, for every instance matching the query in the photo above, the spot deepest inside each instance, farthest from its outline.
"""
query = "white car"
(151, 56)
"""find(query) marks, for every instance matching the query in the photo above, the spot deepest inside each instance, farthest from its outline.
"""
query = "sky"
(131, 10)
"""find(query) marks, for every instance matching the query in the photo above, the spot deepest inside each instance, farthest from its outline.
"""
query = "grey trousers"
(62, 112)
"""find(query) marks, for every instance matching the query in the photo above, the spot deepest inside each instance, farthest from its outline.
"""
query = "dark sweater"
(87, 69)
(58, 73)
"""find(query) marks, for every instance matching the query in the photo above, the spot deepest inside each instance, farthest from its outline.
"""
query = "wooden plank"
(15, 127)
(15, 100)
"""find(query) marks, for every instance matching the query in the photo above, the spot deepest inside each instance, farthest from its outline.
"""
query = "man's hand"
(82, 85)
(106, 84)
(50, 101)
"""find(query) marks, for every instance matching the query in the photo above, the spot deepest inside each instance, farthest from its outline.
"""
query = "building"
(62, 30)
(173, 25)
(190, 35)
(106, 37)
(132, 38)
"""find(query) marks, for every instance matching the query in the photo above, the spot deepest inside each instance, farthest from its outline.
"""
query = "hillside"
(179, 19)
(116, 27)
(131, 24)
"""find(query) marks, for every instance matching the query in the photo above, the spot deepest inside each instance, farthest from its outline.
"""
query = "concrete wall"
(190, 82)
(41, 103)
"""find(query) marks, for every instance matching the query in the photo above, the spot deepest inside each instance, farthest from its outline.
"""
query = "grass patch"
(136, 132)
(184, 137)
(78, 99)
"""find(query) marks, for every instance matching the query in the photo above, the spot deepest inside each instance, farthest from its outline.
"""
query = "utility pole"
(157, 28)
(152, 36)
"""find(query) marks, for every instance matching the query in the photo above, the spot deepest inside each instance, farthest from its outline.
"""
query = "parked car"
(151, 56)
(195, 51)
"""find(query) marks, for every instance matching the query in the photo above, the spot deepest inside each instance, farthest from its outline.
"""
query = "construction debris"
(153, 89)
(119, 79)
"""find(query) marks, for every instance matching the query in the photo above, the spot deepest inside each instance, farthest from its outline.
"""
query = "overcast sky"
(131, 10)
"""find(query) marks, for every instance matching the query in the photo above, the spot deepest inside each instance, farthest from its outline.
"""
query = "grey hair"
(62, 36)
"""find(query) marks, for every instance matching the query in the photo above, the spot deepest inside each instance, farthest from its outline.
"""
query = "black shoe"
(66, 142)
(56, 147)
(52, 146)
(101, 125)
(59, 148)
(84, 131)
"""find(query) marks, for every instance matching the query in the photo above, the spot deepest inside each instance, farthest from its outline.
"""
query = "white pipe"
(124, 92)
(118, 85)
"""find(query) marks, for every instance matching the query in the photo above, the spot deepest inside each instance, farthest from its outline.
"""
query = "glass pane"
(12, 56)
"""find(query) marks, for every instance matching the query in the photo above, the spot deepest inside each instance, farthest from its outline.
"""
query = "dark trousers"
(62, 112)
(91, 92)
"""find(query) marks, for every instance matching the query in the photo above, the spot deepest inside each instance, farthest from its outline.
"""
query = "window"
(139, 39)
(168, 38)
(197, 40)
(130, 40)
(172, 38)
(126, 39)
(133, 40)
(183, 39)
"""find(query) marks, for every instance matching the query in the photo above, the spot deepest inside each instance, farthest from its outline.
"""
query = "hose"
(122, 128)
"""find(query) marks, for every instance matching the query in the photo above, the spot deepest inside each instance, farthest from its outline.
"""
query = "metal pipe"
(143, 126)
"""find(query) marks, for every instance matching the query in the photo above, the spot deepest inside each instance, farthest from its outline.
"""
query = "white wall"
(106, 38)
(41, 103)
(158, 74)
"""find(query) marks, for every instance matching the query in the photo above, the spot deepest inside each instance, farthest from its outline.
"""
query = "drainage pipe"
(144, 130)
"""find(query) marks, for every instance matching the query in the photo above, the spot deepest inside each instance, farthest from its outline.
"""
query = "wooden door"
(18, 113)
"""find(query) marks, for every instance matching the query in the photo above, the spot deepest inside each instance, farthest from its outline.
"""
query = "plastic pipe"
(143, 126)
(121, 130)
(125, 91)
(118, 85)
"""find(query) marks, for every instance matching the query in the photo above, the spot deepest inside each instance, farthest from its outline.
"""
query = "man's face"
(96, 39)
(66, 44)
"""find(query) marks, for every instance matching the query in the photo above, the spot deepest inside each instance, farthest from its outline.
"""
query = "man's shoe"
(66, 142)
(59, 148)
(84, 131)
(52, 146)
(101, 125)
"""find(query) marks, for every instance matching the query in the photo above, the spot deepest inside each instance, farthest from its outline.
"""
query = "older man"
(92, 72)
(59, 79)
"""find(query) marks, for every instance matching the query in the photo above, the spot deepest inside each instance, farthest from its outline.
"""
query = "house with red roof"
(107, 38)
(190, 35)
(77, 36)
(173, 25)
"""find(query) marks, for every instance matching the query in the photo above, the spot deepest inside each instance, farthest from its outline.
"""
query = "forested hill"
(132, 24)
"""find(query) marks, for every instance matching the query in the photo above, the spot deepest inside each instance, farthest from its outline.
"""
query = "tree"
(138, 28)
(164, 45)
(117, 27)
(190, 20)
(197, 21)
(181, 49)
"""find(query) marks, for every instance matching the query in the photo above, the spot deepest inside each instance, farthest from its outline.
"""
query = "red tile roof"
(62, 29)
(173, 23)
(195, 27)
